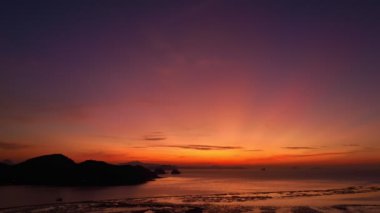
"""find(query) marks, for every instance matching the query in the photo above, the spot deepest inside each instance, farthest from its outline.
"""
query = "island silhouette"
(59, 170)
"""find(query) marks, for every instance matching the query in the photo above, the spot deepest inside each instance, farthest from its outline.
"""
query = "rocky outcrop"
(175, 172)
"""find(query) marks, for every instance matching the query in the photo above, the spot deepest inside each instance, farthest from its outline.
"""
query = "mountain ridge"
(57, 169)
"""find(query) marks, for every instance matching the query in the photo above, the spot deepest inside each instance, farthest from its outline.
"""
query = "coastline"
(349, 199)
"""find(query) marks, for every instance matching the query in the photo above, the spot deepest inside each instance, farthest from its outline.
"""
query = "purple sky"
(191, 81)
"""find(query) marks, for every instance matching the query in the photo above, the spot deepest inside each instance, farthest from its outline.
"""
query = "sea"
(199, 181)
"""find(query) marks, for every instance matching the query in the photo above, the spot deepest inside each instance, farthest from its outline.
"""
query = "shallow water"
(190, 182)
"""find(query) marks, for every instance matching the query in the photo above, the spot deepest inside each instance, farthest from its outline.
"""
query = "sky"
(191, 82)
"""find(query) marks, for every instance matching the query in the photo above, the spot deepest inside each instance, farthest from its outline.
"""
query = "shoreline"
(120, 206)
(348, 199)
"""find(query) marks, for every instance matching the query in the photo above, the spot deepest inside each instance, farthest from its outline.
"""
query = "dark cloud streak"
(322, 154)
(12, 146)
(351, 145)
(201, 147)
(298, 147)
(155, 136)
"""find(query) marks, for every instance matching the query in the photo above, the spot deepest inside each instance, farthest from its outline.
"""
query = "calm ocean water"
(195, 182)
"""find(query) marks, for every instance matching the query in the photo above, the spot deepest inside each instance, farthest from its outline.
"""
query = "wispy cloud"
(254, 150)
(12, 146)
(155, 136)
(312, 156)
(321, 154)
(151, 138)
(201, 147)
(298, 147)
(351, 145)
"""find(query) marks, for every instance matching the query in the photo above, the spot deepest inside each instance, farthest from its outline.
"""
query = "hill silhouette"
(57, 169)
(3, 170)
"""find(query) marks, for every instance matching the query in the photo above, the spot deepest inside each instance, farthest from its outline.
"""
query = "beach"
(350, 199)
(277, 190)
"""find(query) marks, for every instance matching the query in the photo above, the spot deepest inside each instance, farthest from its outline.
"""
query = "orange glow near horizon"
(192, 84)
(225, 130)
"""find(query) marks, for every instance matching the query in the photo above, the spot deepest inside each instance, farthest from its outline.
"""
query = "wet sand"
(350, 199)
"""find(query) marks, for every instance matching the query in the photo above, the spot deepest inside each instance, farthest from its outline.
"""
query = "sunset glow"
(191, 83)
